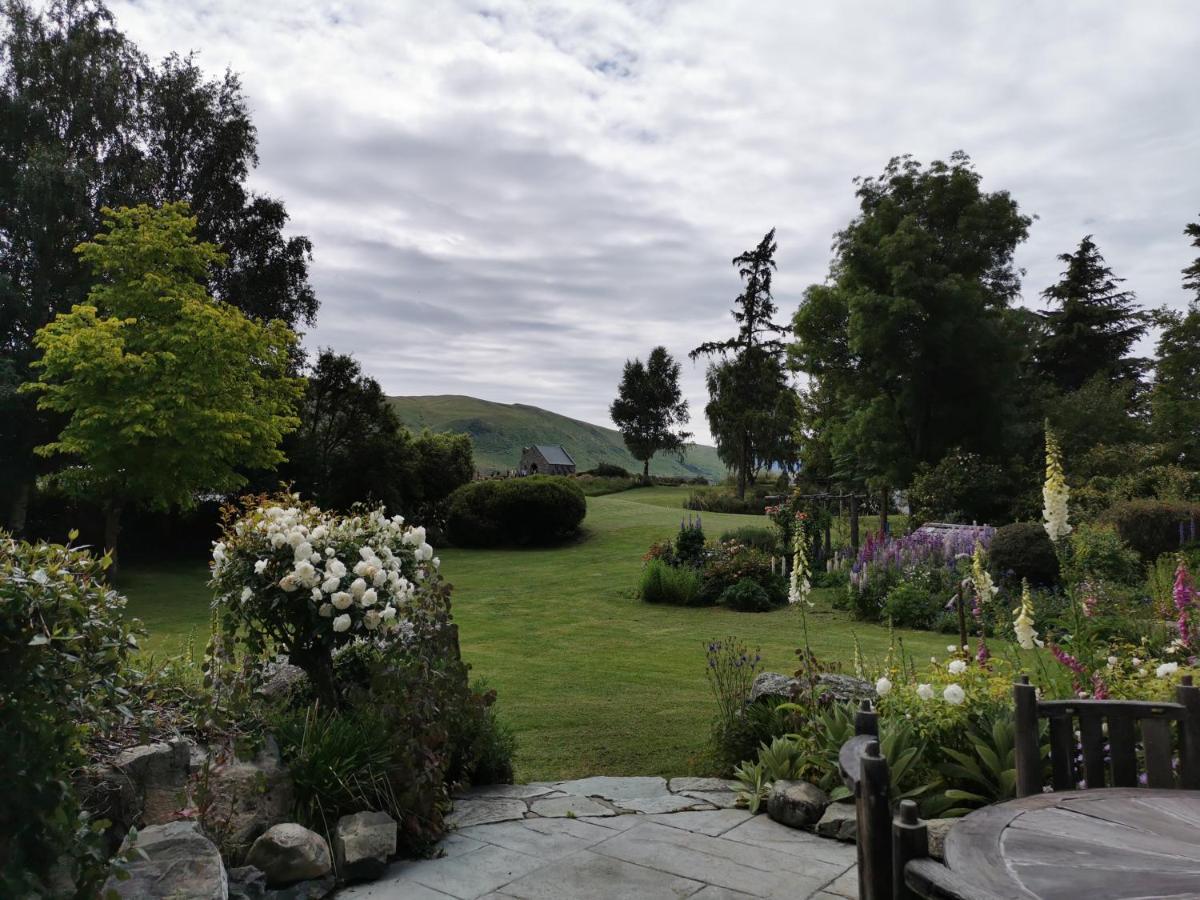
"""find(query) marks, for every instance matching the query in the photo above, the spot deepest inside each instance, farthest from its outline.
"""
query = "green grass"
(499, 431)
(593, 680)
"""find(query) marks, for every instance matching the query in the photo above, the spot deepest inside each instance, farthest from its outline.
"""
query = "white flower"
(278, 540)
(372, 619)
(342, 623)
(366, 553)
(305, 573)
(425, 553)
(316, 595)
(957, 667)
(368, 597)
(40, 576)
(335, 568)
(342, 599)
(288, 583)
(329, 552)
(1166, 669)
(389, 613)
(436, 562)
(952, 648)
(1112, 662)
(303, 550)
(326, 610)
(1141, 671)
(246, 594)
(379, 579)
(883, 686)
(260, 567)
(925, 691)
(329, 585)
(319, 533)
(357, 586)
(954, 695)
(1136, 661)
(362, 567)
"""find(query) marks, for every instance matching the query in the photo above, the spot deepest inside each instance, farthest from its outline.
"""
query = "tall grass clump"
(674, 585)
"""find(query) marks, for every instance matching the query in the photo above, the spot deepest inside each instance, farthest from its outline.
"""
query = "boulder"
(247, 883)
(143, 785)
(839, 822)
(282, 680)
(831, 685)
(796, 804)
(171, 860)
(938, 829)
(772, 684)
(363, 843)
(289, 853)
(248, 797)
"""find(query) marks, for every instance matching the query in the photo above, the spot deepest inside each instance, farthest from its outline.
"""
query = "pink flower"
(1184, 595)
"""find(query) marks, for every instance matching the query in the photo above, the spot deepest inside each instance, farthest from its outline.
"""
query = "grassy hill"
(499, 431)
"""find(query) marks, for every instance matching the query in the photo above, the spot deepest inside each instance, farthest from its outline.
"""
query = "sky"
(510, 199)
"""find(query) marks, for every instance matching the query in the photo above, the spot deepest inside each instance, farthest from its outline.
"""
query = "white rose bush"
(290, 578)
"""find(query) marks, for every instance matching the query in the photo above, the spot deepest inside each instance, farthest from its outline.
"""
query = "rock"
(144, 785)
(363, 843)
(938, 829)
(703, 785)
(772, 684)
(314, 889)
(283, 680)
(178, 861)
(796, 804)
(289, 853)
(248, 797)
(247, 883)
(838, 822)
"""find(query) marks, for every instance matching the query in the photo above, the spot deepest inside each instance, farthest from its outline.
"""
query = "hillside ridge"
(500, 430)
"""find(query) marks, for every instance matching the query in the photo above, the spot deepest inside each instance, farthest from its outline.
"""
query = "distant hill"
(499, 431)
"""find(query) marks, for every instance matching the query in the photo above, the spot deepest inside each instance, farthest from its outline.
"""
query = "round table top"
(1102, 844)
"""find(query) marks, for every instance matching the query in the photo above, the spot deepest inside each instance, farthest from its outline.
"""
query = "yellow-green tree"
(167, 391)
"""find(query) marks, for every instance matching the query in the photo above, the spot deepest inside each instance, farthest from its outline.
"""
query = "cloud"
(510, 199)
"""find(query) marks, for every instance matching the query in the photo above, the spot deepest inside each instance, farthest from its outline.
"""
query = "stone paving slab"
(609, 837)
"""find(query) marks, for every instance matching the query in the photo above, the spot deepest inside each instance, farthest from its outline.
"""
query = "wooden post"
(854, 521)
(883, 510)
(874, 810)
(962, 618)
(866, 720)
(910, 840)
(1027, 750)
(1188, 696)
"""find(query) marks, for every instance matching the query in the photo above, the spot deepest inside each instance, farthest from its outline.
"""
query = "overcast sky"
(509, 199)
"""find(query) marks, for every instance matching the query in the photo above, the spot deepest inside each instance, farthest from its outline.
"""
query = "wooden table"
(1101, 844)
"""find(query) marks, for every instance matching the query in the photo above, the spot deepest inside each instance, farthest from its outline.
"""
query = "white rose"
(357, 586)
(288, 583)
(883, 686)
(957, 667)
(246, 594)
(1166, 669)
(954, 695)
(426, 552)
(366, 553)
(371, 619)
(341, 623)
(436, 563)
(326, 610)
(379, 579)
(278, 540)
(329, 585)
(368, 597)
(341, 599)
(335, 568)
(362, 567)
(389, 613)
(316, 595)
(305, 573)
(260, 567)
(952, 648)
(925, 691)
(1136, 661)
(303, 550)
(1112, 662)
(329, 552)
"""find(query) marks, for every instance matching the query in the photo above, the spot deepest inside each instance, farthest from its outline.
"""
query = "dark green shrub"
(610, 470)
(597, 486)
(689, 543)
(1023, 550)
(65, 647)
(673, 585)
(482, 746)
(538, 509)
(725, 501)
(914, 604)
(1154, 527)
(764, 539)
(746, 595)
(727, 564)
(962, 487)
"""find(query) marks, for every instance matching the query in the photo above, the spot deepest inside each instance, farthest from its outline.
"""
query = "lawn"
(594, 681)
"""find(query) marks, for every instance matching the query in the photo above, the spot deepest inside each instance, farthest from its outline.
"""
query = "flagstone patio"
(642, 838)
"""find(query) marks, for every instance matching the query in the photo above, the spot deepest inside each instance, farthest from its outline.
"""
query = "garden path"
(606, 837)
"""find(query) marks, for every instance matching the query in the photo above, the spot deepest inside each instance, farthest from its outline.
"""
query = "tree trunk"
(854, 521)
(317, 663)
(646, 470)
(883, 510)
(112, 531)
(18, 510)
(744, 462)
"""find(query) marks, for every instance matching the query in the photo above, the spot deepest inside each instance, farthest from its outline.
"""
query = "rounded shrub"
(746, 595)
(911, 604)
(1099, 554)
(1023, 550)
(610, 470)
(672, 585)
(538, 509)
(1154, 527)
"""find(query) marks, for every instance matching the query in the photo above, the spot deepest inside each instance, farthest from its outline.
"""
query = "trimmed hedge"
(1023, 550)
(537, 509)
(1154, 527)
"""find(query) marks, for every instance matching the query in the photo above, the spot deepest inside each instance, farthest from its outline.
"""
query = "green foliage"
(915, 603)
(609, 470)
(730, 669)
(65, 648)
(1023, 550)
(650, 410)
(961, 487)
(765, 540)
(674, 585)
(537, 509)
(727, 564)
(483, 745)
(913, 348)
(1175, 396)
(987, 772)
(722, 500)
(746, 595)
(166, 392)
(689, 543)
(598, 486)
(1099, 555)
(1153, 527)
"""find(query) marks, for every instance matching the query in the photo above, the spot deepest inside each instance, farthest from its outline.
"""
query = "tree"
(167, 392)
(1191, 275)
(750, 418)
(86, 122)
(650, 408)
(1175, 396)
(911, 349)
(1094, 326)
